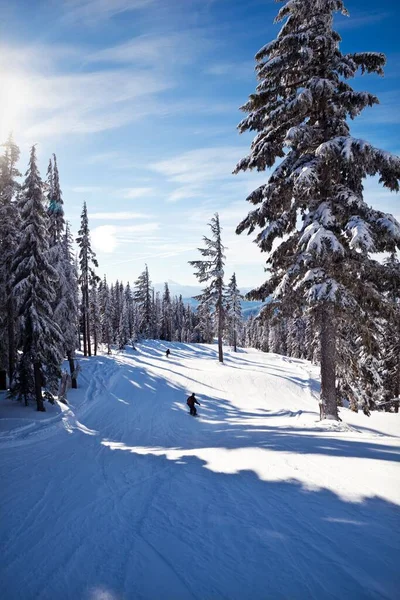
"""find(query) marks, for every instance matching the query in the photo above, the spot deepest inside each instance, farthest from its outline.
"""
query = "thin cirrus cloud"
(87, 189)
(118, 216)
(207, 173)
(95, 102)
(139, 192)
(197, 166)
(98, 10)
(39, 101)
(150, 49)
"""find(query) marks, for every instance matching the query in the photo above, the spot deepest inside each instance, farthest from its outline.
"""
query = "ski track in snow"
(122, 495)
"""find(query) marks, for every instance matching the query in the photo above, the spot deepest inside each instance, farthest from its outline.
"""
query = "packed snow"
(123, 495)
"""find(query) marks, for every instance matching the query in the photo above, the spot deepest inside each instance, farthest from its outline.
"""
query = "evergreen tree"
(64, 305)
(69, 294)
(33, 286)
(389, 339)
(233, 310)
(157, 315)
(106, 315)
(143, 297)
(124, 326)
(55, 205)
(212, 269)
(129, 304)
(166, 315)
(205, 327)
(178, 311)
(87, 262)
(95, 316)
(300, 111)
(9, 219)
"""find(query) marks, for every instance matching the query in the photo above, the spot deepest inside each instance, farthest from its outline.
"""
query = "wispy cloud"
(87, 189)
(139, 192)
(95, 10)
(150, 49)
(206, 173)
(103, 157)
(233, 70)
(118, 216)
(198, 166)
(38, 104)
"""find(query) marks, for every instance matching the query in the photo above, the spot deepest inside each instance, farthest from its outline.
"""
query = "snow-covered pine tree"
(114, 314)
(69, 294)
(124, 327)
(300, 111)
(95, 316)
(166, 315)
(143, 297)
(48, 186)
(33, 288)
(65, 301)
(87, 263)
(55, 209)
(296, 326)
(233, 310)
(106, 314)
(9, 219)
(212, 270)
(128, 299)
(178, 311)
(157, 314)
(205, 325)
(390, 335)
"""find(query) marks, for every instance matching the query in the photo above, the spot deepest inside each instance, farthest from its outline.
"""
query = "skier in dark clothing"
(191, 401)
(168, 352)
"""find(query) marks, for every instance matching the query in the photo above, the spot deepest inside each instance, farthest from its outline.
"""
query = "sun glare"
(14, 102)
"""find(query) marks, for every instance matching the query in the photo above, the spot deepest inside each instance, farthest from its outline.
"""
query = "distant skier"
(167, 353)
(191, 401)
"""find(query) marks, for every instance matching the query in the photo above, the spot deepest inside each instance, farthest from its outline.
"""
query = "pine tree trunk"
(38, 387)
(89, 348)
(234, 339)
(220, 327)
(84, 326)
(328, 405)
(11, 340)
(79, 333)
(74, 383)
(3, 379)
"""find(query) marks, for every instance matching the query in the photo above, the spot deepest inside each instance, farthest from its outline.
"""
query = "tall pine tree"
(143, 297)
(233, 311)
(9, 218)
(33, 288)
(212, 270)
(300, 111)
(87, 263)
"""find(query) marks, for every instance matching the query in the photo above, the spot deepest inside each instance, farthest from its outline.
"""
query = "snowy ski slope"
(124, 496)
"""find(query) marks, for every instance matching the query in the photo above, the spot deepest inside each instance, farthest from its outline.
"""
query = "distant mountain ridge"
(249, 307)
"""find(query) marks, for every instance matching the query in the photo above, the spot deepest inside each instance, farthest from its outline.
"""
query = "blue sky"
(139, 100)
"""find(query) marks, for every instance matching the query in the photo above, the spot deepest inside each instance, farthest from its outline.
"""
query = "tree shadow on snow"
(163, 522)
(156, 527)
